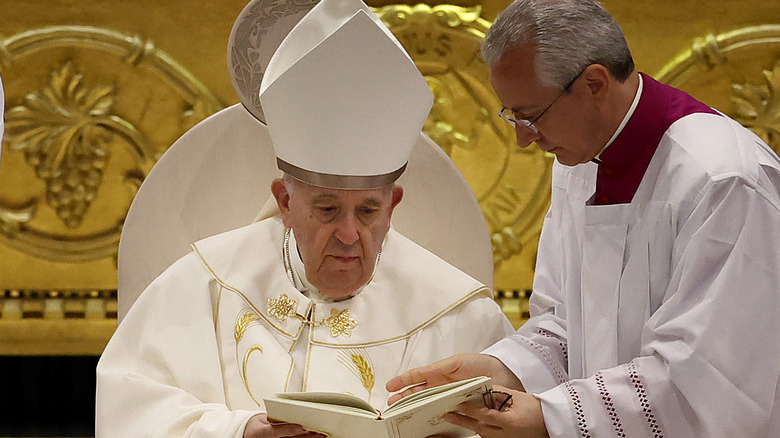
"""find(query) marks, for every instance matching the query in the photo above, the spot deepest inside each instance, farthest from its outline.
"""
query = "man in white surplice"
(323, 296)
(655, 310)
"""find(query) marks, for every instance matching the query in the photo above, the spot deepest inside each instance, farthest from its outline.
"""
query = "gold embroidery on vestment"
(243, 371)
(340, 323)
(242, 324)
(359, 363)
(281, 307)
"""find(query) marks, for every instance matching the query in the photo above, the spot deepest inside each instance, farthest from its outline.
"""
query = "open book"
(414, 416)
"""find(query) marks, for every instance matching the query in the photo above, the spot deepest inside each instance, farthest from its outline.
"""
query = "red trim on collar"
(624, 162)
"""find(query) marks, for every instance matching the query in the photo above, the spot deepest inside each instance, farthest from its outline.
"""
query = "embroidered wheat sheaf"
(366, 373)
(243, 323)
(359, 363)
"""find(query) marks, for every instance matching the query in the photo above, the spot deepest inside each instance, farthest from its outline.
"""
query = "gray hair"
(568, 35)
(290, 183)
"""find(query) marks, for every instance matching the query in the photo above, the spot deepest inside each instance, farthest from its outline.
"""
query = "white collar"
(625, 119)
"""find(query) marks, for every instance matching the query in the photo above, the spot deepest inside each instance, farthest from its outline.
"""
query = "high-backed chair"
(217, 177)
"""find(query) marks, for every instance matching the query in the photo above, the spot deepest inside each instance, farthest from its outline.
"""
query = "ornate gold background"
(97, 90)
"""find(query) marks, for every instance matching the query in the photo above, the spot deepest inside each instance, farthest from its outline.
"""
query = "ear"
(282, 196)
(597, 79)
(398, 194)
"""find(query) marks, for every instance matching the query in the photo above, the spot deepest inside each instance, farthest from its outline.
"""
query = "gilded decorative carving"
(707, 52)
(710, 51)
(511, 184)
(64, 131)
(758, 107)
(737, 72)
(83, 129)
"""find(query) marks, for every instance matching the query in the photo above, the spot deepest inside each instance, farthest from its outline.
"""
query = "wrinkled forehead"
(315, 194)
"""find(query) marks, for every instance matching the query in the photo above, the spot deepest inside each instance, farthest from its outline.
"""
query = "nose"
(347, 229)
(526, 135)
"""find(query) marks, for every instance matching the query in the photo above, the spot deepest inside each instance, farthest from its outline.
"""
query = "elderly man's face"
(339, 232)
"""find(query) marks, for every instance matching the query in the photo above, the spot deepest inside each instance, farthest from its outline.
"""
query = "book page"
(431, 392)
(423, 415)
(331, 398)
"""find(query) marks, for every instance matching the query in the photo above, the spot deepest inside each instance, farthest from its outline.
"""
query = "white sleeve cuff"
(524, 363)
(559, 417)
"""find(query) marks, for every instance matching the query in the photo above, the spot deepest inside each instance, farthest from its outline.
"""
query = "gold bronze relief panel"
(89, 111)
(511, 184)
(737, 72)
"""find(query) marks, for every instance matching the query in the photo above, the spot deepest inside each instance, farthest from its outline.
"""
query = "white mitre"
(344, 102)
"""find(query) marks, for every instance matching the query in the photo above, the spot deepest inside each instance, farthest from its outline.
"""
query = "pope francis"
(324, 295)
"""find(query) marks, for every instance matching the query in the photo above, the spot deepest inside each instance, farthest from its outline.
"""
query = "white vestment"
(224, 327)
(660, 317)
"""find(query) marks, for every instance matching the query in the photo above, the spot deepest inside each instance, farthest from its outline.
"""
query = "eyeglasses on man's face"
(508, 115)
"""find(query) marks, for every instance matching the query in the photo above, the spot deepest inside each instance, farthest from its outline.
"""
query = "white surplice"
(660, 317)
(224, 327)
